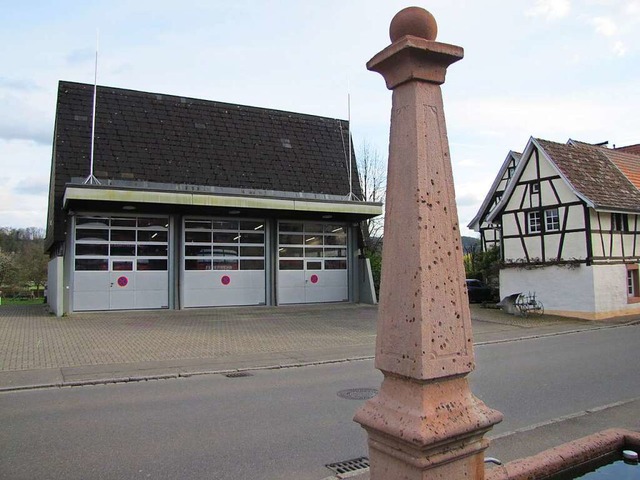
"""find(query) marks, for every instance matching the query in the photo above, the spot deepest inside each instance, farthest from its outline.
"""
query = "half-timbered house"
(567, 226)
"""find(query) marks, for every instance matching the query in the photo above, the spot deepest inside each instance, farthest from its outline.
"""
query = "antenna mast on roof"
(351, 195)
(91, 179)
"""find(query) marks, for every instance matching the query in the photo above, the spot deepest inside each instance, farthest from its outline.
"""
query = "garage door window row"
(323, 246)
(121, 243)
(211, 244)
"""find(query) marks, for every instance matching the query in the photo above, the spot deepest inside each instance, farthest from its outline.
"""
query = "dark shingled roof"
(592, 172)
(151, 137)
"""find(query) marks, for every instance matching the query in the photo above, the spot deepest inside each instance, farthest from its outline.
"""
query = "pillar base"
(426, 430)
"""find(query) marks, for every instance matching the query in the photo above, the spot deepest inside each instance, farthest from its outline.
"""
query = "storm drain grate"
(358, 393)
(349, 466)
(238, 374)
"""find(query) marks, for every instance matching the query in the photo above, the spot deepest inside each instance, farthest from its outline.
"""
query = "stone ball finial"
(414, 21)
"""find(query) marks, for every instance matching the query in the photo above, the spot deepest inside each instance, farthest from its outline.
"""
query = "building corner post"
(425, 422)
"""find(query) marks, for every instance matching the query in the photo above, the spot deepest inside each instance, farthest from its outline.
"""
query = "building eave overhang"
(300, 203)
(474, 224)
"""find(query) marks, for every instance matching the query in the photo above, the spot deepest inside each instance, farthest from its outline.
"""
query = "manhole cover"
(349, 465)
(358, 393)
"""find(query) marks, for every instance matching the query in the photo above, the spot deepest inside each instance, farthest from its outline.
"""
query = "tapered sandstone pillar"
(425, 423)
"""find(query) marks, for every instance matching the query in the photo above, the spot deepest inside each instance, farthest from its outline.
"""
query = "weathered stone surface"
(425, 422)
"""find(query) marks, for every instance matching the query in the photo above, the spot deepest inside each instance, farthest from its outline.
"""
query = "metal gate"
(312, 262)
(224, 262)
(120, 263)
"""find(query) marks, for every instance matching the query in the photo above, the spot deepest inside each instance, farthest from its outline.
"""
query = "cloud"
(19, 85)
(28, 119)
(550, 9)
(619, 49)
(80, 56)
(32, 186)
(604, 26)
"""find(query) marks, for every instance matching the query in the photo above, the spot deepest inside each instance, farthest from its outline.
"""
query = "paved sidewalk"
(38, 349)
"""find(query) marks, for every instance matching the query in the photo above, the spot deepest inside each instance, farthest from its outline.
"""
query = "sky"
(553, 69)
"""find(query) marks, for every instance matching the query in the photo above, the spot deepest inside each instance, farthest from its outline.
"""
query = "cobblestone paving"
(495, 315)
(30, 338)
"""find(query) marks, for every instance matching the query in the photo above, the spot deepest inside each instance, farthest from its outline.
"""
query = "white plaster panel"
(599, 249)
(546, 194)
(514, 201)
(628, 241)
(509, 226)
(616, 242)
(611, 288)
(575, 246)
(558, 288)
(576, 217)
(529, 172)
(564, 192)
(551, 244)
(534, 248)
(512, 248)
(546, 169)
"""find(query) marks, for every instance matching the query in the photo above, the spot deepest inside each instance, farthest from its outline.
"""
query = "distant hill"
(470, 244)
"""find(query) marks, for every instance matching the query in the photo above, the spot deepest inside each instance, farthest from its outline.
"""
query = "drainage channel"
(349, 466)
(238, 374)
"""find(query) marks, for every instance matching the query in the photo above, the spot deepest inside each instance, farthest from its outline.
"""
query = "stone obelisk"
(425, 423)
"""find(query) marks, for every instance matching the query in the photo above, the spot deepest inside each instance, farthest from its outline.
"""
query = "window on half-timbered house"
(633, 283)
(552, 220)
(534, 222)
(619, 222)
(535, 187)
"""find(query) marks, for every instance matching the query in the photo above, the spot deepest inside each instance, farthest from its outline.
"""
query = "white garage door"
(223, 262)
(120, 263)
(312, 262)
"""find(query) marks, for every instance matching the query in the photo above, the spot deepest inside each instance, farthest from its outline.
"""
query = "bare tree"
(372, 171)
(8, 269)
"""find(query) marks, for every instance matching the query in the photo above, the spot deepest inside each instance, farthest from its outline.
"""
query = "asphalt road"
(284, 424)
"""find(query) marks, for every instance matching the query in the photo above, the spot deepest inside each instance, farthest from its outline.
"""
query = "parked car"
(479, 292)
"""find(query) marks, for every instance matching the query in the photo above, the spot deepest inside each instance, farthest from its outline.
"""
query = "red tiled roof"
(593, 171)
(627, 163)
(634, 149)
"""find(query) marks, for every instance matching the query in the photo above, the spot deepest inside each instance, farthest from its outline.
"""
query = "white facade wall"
(55, 285)
(610, 292)
(562, 290)
(593, 292)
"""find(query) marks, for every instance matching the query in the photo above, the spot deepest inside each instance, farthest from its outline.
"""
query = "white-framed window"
(534, 222)
(535, 187)
(551, 220)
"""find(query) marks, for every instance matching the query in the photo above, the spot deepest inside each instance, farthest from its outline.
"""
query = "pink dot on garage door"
(123, 281)
(314, 278)
(226, 280)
